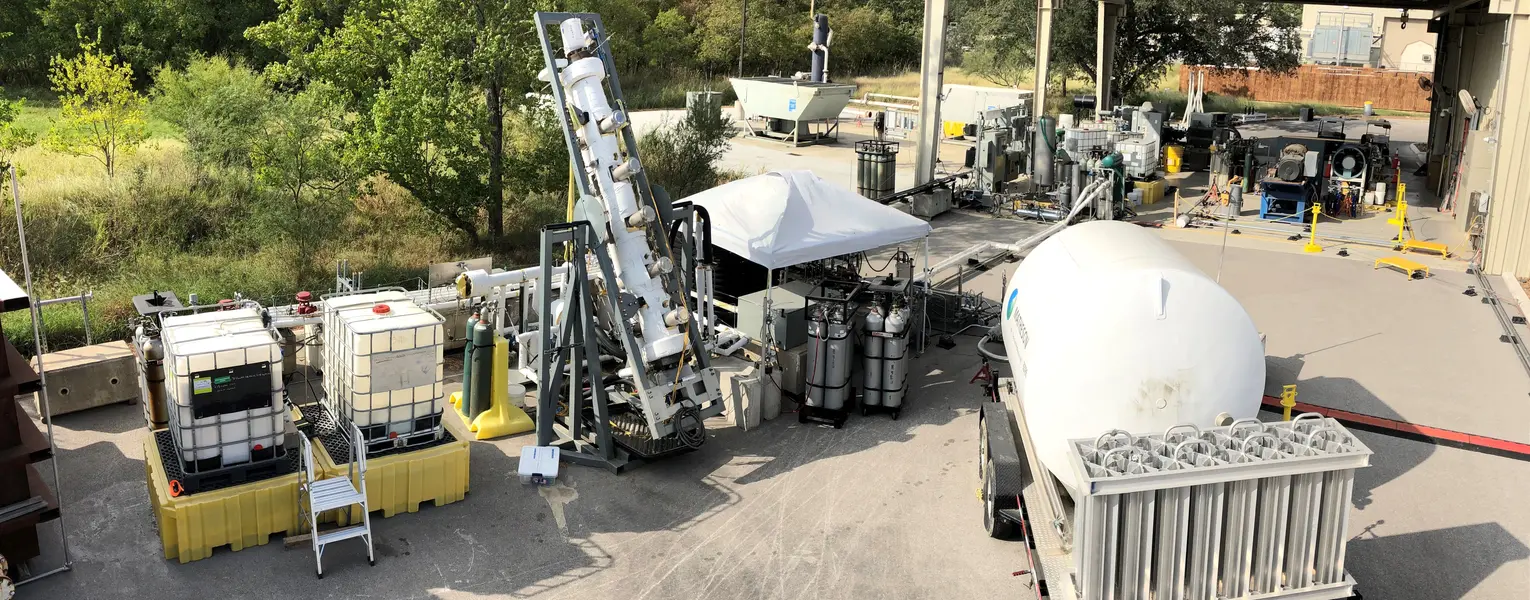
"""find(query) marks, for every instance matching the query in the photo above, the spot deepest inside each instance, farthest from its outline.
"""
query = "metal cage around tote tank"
(384, 358)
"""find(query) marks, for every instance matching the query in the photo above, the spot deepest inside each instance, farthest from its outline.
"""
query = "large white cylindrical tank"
(1107, 327)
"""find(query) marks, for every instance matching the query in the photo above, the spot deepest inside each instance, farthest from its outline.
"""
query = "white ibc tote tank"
(224, 392)
(1107, 327)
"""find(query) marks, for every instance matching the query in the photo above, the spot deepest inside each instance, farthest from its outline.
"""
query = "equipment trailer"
(1022, 500)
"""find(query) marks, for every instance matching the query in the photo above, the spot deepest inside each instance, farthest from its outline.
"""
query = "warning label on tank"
(224, 391)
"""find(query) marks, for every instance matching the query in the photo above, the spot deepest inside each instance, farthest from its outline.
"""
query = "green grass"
(42, 110)
(645, 91)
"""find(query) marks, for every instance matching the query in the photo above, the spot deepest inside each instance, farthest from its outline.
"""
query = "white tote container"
(384, 367)
(224, 388)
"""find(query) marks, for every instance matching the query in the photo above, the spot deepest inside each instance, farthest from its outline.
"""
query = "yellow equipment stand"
(503, 417)
(401, 482)
(1405, 237)
(1408, 267)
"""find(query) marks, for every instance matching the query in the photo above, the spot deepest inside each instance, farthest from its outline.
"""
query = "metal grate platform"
(630, 431)
(326, 429)
(218, 479)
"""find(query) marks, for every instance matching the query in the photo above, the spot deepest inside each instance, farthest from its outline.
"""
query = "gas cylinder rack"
(830, 385)
(885, 353)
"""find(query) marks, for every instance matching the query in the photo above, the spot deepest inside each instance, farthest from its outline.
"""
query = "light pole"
(743, 28)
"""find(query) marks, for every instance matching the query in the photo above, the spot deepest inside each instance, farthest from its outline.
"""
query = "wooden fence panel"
(1343, 86)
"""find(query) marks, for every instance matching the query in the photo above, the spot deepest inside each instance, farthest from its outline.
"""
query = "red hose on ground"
(1404, 429)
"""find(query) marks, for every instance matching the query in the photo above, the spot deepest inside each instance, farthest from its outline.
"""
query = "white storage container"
(383, 366)
(1106, 326)
(223, 386)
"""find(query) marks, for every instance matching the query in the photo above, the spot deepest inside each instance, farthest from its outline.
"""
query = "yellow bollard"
(1400, 218)
(1288, 400)
(1312, 246)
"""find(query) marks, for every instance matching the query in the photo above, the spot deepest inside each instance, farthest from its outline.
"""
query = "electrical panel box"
(790, 324)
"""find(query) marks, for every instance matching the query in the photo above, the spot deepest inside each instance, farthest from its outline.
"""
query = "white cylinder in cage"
(1108, 327)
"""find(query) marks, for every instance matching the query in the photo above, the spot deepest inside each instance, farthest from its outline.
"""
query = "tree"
(866, 41)
(220, 106)
(667, 41)
(149, 33)
(12, 137)
(683, 157)
(1154, 34)
(100, 115)
(299, 154)
(430, 81)
(999, 40)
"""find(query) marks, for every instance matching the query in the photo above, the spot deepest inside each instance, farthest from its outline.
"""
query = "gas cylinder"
(871, 387)
(817, 351)
(481, 391)
(466, 401)
(895, 356)
(837, 354)
(151, 377)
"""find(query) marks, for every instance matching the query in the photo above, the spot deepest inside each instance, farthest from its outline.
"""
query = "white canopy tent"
(785, 218)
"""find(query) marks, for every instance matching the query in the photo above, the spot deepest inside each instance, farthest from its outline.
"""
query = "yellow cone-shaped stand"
(456, 400)
(502, 418)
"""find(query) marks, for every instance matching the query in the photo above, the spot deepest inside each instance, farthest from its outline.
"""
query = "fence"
(1343, 86)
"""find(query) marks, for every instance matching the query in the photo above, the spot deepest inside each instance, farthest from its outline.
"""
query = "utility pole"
(743, 28)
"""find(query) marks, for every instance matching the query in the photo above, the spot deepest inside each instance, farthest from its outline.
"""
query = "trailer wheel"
(983, 458)
(997, 527)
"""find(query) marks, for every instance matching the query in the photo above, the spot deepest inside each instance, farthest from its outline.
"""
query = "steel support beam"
(1110, 12)
(1044, 10)
(931, 81)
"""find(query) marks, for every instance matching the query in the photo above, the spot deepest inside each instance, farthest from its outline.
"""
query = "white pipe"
(479, 283)
(1085, 199)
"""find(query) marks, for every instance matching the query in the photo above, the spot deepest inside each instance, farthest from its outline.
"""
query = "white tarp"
(785, 218)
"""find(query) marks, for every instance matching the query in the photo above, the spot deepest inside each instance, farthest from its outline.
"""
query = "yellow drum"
(1173, 158)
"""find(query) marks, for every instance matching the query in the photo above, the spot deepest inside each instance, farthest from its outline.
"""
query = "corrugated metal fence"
(1343, 86)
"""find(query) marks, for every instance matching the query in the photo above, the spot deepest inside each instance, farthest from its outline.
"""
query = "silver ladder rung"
(328, 494)
(343, 533)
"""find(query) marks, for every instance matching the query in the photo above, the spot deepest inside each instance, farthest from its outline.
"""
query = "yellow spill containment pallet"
(191, 526)
(401, 482)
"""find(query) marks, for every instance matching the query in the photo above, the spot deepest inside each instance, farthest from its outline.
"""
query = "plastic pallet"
(217, 479)
(233, 517)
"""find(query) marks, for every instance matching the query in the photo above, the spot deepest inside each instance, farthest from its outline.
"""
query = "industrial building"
(1383, 38)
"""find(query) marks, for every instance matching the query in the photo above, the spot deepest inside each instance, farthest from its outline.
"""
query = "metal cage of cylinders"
(224, 394)
(1250, 509)
(876, 168)
(384, 367)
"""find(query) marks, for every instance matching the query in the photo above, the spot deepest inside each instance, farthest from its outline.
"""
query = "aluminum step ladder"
(337, 493)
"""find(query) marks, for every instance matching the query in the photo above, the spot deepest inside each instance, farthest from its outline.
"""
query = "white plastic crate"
(224, 387)
(384, 364)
